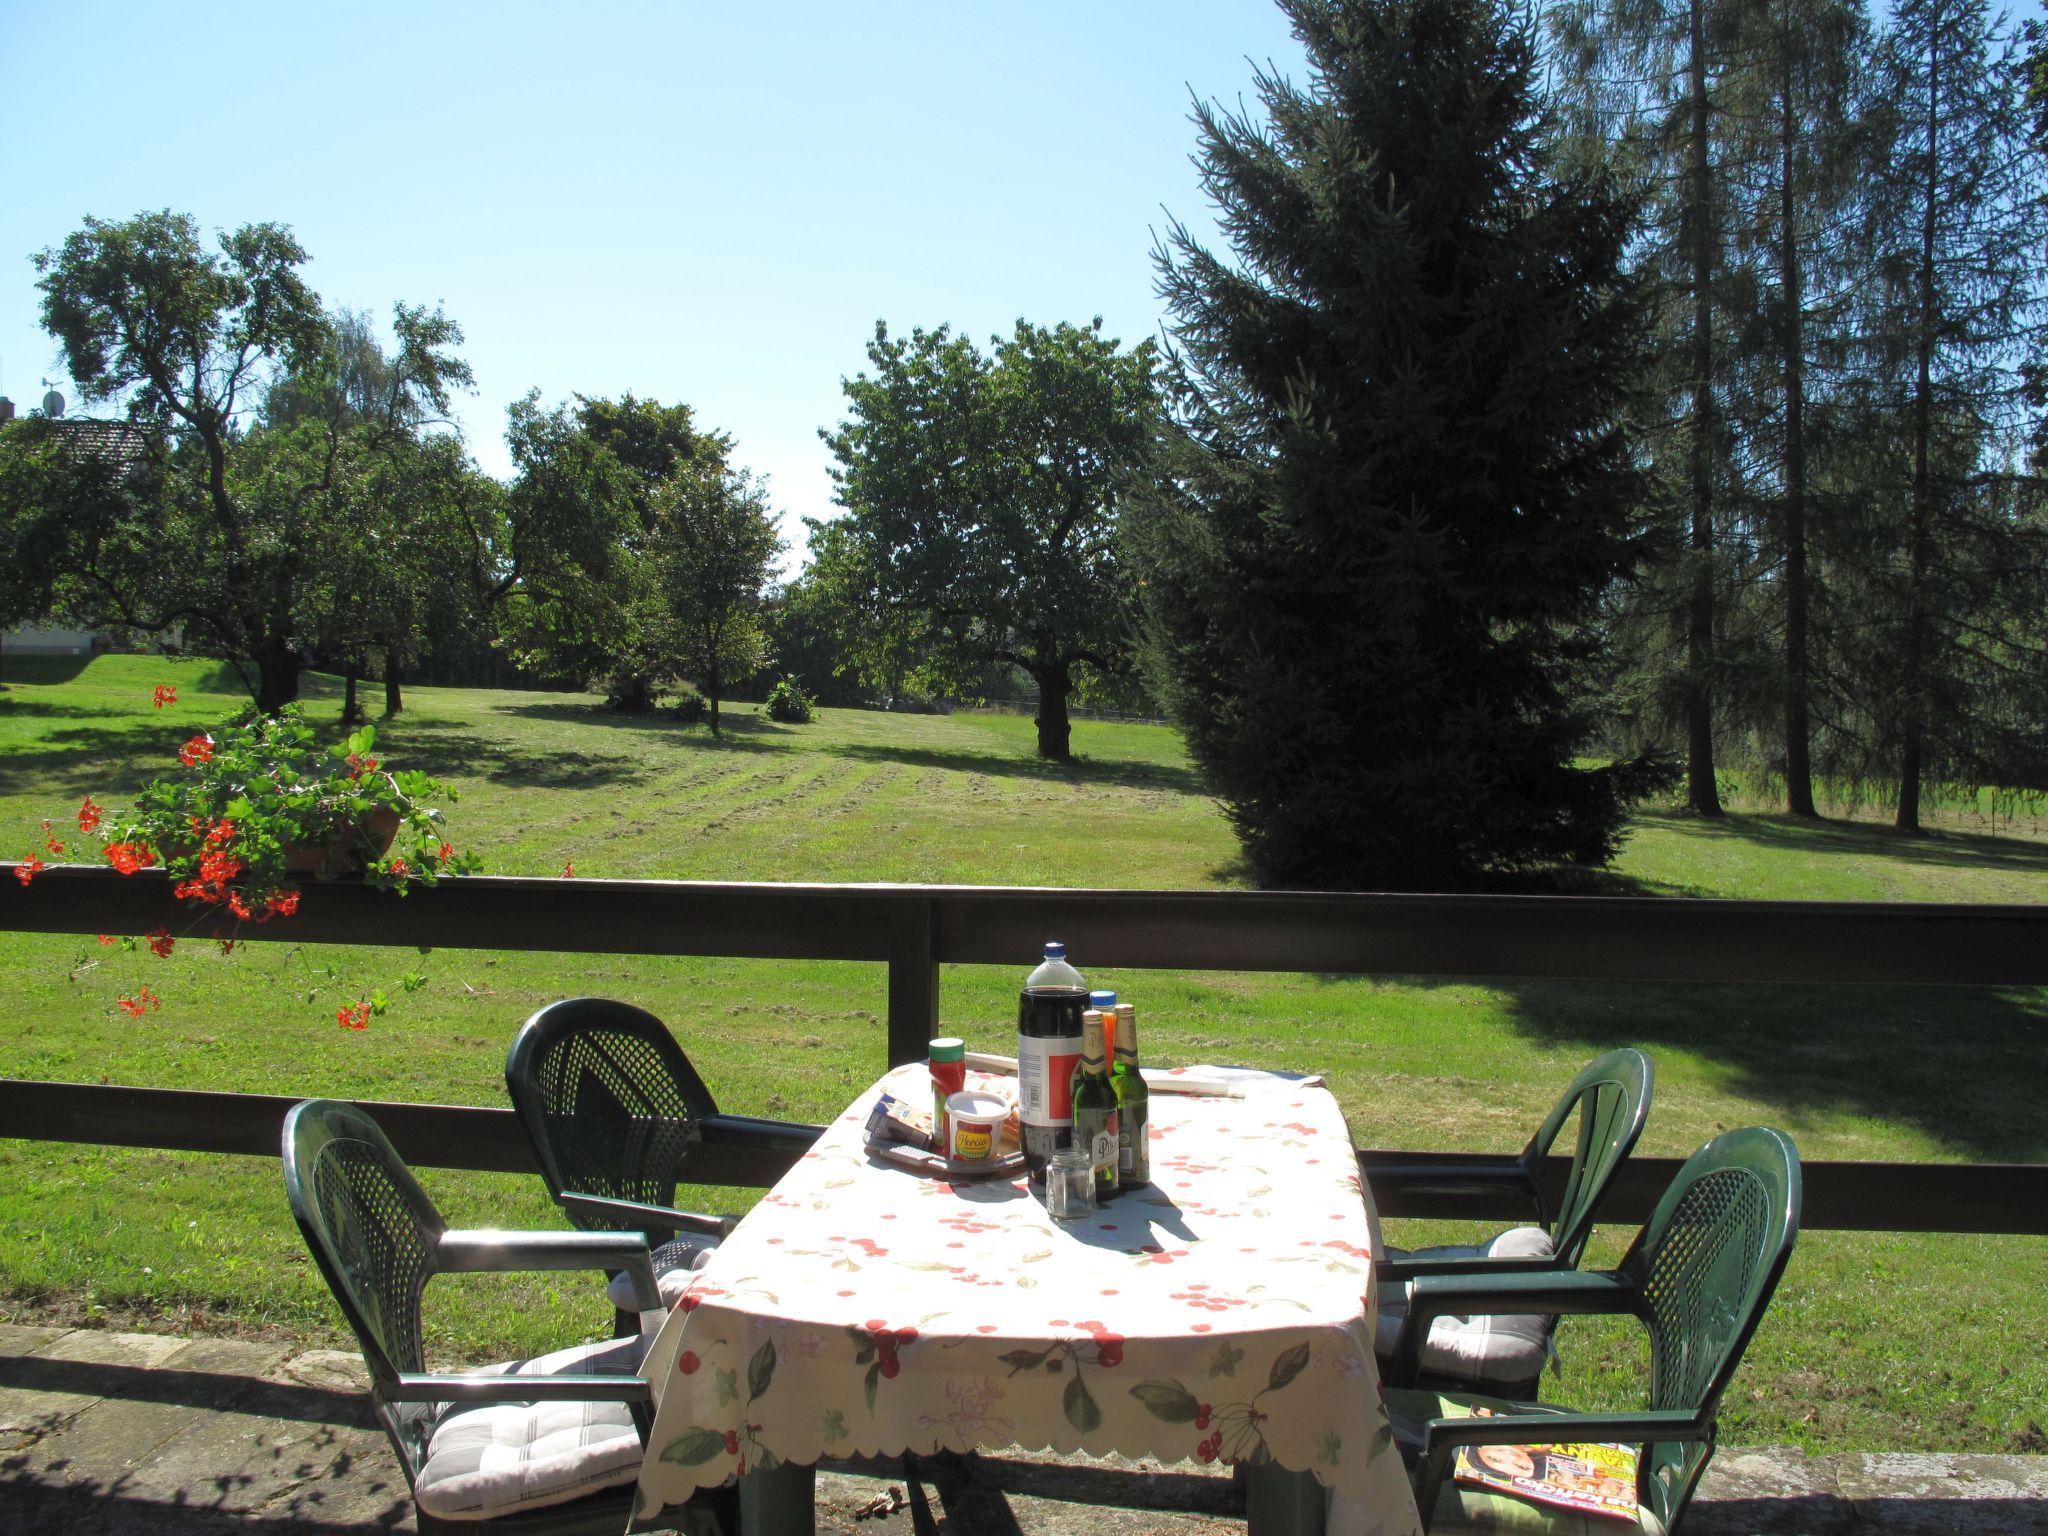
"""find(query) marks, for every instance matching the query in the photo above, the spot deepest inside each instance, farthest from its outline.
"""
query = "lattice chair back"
(1612, 1098)
(373, 1232)
(609, 1101)
(1705, 1267)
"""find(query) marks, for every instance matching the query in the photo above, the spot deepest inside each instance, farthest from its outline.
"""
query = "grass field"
(1876, 1341)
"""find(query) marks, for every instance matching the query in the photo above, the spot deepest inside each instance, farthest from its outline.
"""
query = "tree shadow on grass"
(1166, 778)
(1796, 835)
(444, 751)
(1963, 1066)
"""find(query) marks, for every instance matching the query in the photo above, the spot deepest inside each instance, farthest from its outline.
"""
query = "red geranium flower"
(447, 852)
(196, 751)
(569, 870)
(165, 694)
(283, 903)
(89, 816)
(160, 942)
(144, 1000)
(129, 857)
(106, 938)
(357, 1017)
(27, 869)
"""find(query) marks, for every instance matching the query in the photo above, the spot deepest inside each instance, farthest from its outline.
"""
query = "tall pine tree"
(1796, 137)
(1958, 221)
(1405, 478)
(1643, 81)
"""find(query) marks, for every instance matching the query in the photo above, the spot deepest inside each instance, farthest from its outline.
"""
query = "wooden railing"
(912, 930)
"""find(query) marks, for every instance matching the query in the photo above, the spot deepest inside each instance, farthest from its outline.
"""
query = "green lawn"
(1876, 1341)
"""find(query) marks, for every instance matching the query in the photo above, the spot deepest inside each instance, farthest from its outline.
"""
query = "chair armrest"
(479, 1251)
(1504, 1291)
(754, 1131)
(1440, 1437)
(417, 1388)
(651, 1218)
(1396, 1270)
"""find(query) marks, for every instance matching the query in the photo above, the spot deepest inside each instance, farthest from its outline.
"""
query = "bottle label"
(1105, 1150)
(1124, 1158)
(1045, 1078)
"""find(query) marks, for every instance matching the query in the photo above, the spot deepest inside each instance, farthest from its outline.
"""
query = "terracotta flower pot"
(349, 853)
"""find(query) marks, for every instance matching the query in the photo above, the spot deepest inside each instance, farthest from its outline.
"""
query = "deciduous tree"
(231, 544)
(982, 493)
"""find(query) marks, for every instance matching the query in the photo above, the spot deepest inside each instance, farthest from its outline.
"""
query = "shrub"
(691, 707)
(789, 704)
(632, 692)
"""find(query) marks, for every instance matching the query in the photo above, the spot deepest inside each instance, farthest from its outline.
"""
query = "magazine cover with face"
(1595, 1479)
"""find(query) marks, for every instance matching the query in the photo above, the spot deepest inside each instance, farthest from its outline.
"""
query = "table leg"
(779, 1501)
(1282, 1503)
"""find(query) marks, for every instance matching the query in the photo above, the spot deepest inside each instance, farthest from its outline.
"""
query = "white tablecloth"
(1223, 1314)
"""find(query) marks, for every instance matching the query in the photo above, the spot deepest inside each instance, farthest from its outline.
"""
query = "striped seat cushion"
(498, 1458)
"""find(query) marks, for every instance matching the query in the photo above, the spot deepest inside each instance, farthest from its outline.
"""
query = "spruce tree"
(1405, 476)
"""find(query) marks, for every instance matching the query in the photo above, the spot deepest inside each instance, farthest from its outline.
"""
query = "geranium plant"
(260, 805)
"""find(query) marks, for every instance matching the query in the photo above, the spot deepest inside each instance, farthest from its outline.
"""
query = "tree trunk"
(351, 711)
(1798, 728)
(394, 697)
(1702, 793)
(711, 686)
(1912, 734)
(1055, 731)
(277, 677)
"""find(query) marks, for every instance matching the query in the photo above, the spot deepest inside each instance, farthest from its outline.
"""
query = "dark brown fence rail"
(914, 929)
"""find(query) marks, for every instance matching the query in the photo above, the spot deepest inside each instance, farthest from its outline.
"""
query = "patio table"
(1222, 1314)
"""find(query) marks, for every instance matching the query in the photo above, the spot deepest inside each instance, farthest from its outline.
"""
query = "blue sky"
(706, 203)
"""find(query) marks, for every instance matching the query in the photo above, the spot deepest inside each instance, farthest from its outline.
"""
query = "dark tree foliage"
(1406, 474)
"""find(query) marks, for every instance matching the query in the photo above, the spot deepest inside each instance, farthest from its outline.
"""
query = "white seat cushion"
(673, 1262)
(497, 1458)
(1495, 1350)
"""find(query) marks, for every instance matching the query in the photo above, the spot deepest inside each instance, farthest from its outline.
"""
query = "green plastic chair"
(1611, 1097)
(378, 1240)
(1698, 1276)
(612, 1108)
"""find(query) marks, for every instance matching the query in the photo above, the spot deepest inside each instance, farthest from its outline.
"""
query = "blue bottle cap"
(1055, 951)
(1101, 999)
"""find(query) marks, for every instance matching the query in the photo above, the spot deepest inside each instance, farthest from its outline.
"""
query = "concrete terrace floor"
(129, 1434)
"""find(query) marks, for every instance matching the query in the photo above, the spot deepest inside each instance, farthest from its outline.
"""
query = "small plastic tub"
(974, 1124)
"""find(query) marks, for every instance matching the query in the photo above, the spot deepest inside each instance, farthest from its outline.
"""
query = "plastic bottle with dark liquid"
(1048, 1046)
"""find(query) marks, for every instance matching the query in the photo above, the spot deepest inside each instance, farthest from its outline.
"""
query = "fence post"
(913, 979)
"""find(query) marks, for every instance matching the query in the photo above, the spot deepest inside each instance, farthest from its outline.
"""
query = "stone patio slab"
(109, 1434)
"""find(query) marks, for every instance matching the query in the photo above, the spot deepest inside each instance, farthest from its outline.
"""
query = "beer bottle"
(1133, 1103)
(1095, 1110)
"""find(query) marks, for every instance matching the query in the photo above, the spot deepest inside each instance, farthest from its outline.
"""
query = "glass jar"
(1070, 1185)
